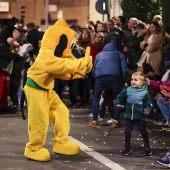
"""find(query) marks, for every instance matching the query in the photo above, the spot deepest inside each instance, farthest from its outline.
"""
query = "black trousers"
(142, 129)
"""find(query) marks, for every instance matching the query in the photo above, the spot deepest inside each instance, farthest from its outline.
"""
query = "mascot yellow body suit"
(55, 60)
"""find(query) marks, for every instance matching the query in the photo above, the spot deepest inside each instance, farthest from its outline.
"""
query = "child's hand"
(146, 111)
(120, 106)
(126, 85)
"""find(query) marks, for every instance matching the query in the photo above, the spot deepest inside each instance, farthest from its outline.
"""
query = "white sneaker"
(100, 119)
(90, 115)
(110, 121)
(159, 123)
(166, 123)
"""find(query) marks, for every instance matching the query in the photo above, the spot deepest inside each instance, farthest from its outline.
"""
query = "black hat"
(167, 29)
(6, 32)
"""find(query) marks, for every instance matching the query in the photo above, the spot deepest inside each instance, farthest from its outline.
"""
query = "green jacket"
(135, 101)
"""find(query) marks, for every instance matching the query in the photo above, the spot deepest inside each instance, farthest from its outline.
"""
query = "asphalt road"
(100, 146)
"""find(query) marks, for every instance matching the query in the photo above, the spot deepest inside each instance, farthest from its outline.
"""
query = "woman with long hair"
(152, 46)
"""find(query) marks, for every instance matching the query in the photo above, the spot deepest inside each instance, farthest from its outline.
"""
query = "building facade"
(39, 11)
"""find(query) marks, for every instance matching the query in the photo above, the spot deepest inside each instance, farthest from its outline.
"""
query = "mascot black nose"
(61, 46)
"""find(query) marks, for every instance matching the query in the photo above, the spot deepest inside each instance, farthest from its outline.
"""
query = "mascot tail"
(22, 104)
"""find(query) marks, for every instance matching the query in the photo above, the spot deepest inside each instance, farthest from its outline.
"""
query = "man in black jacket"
(33, 37)
(115, 34)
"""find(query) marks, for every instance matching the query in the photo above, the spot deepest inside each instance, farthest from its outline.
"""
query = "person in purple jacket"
(164, 105)
(163, 102)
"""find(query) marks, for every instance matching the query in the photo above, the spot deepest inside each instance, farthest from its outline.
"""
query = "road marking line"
(99, 157)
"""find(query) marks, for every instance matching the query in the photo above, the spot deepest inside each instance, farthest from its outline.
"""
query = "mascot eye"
(61, 46)
(73, 43)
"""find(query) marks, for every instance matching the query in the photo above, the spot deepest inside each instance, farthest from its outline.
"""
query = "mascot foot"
(69, 148)
(39, 155)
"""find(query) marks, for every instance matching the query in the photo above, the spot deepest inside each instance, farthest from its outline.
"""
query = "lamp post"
(46, 13)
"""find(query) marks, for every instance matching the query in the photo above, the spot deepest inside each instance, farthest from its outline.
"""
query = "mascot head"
(59, 39)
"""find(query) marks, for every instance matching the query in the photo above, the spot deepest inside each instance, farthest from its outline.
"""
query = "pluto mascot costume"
(55, 60)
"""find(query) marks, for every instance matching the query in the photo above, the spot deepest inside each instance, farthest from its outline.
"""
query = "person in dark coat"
(33, 37)
(115, 35)
(6, 56)
(134, 52)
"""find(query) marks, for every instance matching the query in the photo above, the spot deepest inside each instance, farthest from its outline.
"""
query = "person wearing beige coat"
(152, 46)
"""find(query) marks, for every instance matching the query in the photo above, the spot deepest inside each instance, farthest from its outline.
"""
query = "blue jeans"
(165, 108)
(105, 83)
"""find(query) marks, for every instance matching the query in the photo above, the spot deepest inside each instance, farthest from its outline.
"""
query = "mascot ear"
(11, 24)
(61, 46)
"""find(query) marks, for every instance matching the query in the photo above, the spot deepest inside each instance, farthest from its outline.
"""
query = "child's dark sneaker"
(126, 151)
(148, 151)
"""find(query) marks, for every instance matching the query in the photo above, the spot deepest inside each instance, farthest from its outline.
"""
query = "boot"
(94, 124)
(116, 124)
